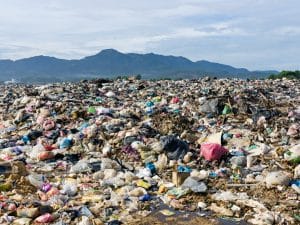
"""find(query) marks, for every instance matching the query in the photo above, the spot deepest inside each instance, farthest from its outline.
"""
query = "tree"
(138, 77)
(286, 74)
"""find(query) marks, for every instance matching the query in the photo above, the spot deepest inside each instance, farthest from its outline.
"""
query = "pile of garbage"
(113, 152)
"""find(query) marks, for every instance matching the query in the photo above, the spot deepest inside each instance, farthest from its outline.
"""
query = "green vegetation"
(286, 74)
(122, 78)
(129, 77)
(162, 78)
(138, 77)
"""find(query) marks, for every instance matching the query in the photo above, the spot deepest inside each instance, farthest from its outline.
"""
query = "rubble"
(123, 151)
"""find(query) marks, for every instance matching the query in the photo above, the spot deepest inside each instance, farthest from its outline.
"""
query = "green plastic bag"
(92, 110)
(226, 110)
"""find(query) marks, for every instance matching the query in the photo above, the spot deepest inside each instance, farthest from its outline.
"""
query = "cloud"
(15, 51)
(241, 33)
(287, 31)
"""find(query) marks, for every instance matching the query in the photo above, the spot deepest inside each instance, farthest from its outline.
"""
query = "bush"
(286, 74)
(138, 77)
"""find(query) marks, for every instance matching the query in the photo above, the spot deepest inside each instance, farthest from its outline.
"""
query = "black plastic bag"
(174, 147)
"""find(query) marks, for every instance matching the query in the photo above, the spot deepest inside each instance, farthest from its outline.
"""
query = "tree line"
(286, 74)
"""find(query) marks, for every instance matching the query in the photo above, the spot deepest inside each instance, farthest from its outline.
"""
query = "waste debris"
(119, 151)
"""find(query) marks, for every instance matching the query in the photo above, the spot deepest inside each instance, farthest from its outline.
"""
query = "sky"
(254, 34)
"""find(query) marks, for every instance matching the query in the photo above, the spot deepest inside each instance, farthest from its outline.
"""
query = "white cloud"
(228, 31)
(287, 31)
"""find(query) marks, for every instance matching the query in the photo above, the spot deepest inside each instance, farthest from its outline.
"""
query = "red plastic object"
(212, 151)
(46, 218)
(175, 100)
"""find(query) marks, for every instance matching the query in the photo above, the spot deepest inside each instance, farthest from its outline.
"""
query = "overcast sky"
(256, 34)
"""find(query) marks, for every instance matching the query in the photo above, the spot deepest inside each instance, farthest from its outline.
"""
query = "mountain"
(111, 63)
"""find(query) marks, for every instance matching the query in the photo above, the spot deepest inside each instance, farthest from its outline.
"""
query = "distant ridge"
(112, 63)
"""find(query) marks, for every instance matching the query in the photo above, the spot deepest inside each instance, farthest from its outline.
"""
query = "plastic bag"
(69, 189)
(36, 150)
(80, 166)
(211, 151)
(65, 143)
(193, 185)
(277, 178)
(208, 106)
(46, 218)
(174, 147)
(36, 180)
(293, 155)
(161, 162)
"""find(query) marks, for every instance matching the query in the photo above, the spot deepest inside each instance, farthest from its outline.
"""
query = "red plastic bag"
(46, 218)
(45, 155)
(211, 151)
(49, 147)
(174, 100)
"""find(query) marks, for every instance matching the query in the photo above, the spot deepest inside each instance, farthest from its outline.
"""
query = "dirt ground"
(155, 219)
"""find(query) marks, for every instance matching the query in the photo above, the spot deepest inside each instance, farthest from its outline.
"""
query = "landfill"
(130, 151)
